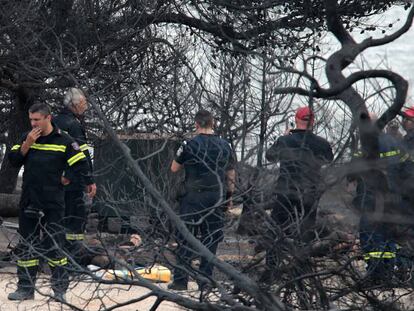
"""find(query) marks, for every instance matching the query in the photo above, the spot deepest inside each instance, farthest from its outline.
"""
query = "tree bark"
(263, 117)
(19, 123)
(9, 205)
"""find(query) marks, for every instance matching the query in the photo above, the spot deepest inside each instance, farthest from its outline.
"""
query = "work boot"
(60, 279)
(59, 297)
(178, 286)
(25, 284)
(22, 294)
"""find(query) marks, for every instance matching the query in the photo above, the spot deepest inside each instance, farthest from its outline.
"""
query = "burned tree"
(135, 75)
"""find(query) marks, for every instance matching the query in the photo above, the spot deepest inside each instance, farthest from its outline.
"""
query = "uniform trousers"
(75, 223)
(204, 220)
(41, 240)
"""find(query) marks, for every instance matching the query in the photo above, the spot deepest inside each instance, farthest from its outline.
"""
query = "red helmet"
(409, 112)
(304, 114)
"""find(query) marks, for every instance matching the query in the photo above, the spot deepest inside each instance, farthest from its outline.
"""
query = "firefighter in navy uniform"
(301, 154)
(45, 152)
(69, 120)
(406, 188)
(209, 184)
(408, 125)
(377, 235)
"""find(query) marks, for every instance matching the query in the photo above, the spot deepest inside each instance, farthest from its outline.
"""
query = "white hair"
(73, 97)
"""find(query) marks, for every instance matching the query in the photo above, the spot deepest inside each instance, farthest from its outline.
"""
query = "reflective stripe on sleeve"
(405, 157)
(75, 236)
(390, 153)
(49, 147)
(379, 255)
(387, 154)
(77, 157)
(84, 147)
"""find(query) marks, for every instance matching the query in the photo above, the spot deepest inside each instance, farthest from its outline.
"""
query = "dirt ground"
(90, 296)
(84, 295)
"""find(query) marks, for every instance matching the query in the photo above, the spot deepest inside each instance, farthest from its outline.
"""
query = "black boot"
(59, 296)
(22, 294)
(60, 280)
(180, 280)
(77, 251)
(25, 285)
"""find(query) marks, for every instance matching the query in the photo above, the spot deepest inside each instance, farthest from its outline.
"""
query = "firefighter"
(301, 154)
(69, 120)
(406, 185)
(373, 186)
(44, 151)
(408, 125)
(209, 183)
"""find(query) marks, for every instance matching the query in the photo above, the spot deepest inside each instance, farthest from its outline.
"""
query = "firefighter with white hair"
(70, 120)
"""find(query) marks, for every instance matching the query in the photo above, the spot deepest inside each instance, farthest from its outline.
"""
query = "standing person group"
(301, 155)
(375, 197)
(57, 171)
(210, 176)
(384, 196)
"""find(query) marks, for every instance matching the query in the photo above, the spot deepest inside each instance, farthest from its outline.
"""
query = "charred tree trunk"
(19, 123)
(9, 205)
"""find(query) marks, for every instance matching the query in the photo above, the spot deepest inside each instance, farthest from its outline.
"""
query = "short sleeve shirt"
(206, 158)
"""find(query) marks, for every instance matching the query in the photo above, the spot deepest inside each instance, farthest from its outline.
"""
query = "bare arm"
(175, 166)
(231, 180)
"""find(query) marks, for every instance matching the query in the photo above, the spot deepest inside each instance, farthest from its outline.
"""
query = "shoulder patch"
(63, 132)
(228, 144)
(181, 149)
(75, 146)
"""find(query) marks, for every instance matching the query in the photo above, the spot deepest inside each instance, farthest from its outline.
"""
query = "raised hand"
(33, 136)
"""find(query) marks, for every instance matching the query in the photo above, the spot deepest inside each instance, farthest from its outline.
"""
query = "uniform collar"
(56, 130)
(69, 112)
(410, 134)
(300, 131)
(207, 135)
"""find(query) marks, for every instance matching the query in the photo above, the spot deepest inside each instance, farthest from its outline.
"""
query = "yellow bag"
(156, 273)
